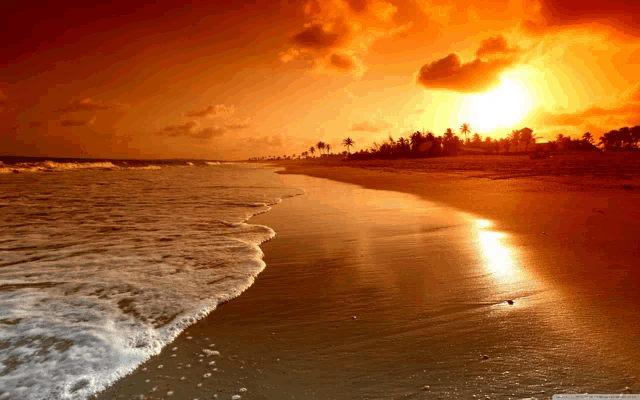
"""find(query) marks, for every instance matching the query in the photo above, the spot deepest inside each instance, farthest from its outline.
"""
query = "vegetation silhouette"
(348, 142)
(427, 144)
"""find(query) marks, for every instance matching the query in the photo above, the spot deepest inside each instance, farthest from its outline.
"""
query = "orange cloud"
(210, 111)
(368, 126)
(208, 133)
(554, 14)
(625, 114)
(85, 105)
(70, 122)
(451, 73)
(289, 55)
(495, 45)
(315, 37)
(274, 141)
(191, 129)
(342, 62)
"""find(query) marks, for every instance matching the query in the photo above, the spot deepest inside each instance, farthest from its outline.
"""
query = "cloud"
(70, 122)
(558, 14)
(208, 133)
(85, 105)
(35, 124)
(342, 62)
(495, 45)
(185, 129)
(238, 125)
(210, 111)
(275, 141)
(451, 73)
(635, 94)
(625, 113)
(370, 126)
(191, 129)
(337, 34)
(289, 55)
(317, 38)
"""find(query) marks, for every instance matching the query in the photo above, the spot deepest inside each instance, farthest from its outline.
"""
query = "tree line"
(427, 144)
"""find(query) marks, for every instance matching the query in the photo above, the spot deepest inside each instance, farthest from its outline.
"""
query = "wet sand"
(428, 283)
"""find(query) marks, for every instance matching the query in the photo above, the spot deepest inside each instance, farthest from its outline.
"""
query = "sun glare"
(502, 107)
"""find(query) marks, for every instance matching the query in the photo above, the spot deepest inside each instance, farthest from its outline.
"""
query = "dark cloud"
(217, 110)
(358, 6)
(70, 122)
(185, 129)
(342, 62)
(237, 126)
(84, 105)
(191, 129)
(451, 73)
(495, 45)
(619, 14)
(208, 133)
(316, 38)
(35, 124)
(368, 126)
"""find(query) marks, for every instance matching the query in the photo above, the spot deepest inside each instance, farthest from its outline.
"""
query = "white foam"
(98, 276)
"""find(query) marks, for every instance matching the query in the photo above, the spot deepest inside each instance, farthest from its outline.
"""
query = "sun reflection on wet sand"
(500, 259)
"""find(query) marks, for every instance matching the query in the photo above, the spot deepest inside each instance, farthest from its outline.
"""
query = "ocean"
(103, 263)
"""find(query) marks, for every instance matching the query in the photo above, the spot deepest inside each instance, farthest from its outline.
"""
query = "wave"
(94, 287)
(51, 166)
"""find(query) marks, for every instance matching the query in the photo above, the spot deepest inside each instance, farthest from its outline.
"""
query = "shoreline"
(266, 366)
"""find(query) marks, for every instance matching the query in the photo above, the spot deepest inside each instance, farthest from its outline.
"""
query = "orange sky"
(125, 78)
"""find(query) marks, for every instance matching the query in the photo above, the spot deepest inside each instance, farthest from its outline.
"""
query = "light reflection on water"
(499, 259)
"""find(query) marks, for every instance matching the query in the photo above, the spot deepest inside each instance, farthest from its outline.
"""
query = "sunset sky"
(231, 80)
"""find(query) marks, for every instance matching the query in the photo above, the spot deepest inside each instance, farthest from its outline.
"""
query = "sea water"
(102, 264)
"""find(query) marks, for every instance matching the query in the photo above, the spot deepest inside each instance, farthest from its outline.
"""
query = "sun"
(502, 107)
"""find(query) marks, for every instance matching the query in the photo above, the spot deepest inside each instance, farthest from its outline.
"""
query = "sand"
(372, 293)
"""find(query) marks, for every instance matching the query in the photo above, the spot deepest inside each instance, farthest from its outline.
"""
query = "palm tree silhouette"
(348, 142)
(465, 129)
(527, 137)
(515, 138)
(312, 150)
(328, 147)
(320, 146)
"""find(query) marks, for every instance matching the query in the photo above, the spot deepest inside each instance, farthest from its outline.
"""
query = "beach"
(398, 282)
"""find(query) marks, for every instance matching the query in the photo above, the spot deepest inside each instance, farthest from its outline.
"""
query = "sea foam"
(100, 268)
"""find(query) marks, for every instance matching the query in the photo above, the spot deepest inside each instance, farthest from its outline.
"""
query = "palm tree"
(515, 138)
(320, 146)
(312, 150)
(448, 135)
(348, 142)
(588, 138)
(416, 140)
(465, 129)
(328, 147)
(527, 137)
